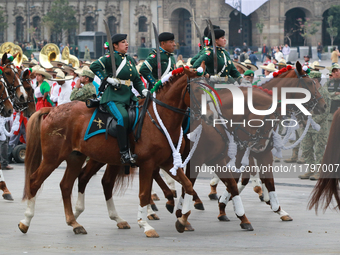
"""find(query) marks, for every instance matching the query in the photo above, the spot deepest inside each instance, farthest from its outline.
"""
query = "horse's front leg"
(6, 193)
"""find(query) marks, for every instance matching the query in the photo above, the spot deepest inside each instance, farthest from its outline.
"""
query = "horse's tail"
(33, 148)
(123, 181)
(328, 183)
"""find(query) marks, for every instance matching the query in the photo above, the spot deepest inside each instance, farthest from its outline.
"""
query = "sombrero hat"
(316, 66)
(87, 63)
(249, 65)
(42, 71)
(282, 62)
(79, 71)
(31, 63)
(240, 65)
(56, 63)
(69, 68)
(270, 67)
(61, 76)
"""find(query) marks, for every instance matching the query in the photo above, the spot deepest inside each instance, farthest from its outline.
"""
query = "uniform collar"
(162, 50)
(119, 53)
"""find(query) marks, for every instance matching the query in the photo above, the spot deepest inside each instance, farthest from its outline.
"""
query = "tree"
(332, 31)
(259, 27)
(307, 28)
(3, 23)
(288, 34)
(60, 18)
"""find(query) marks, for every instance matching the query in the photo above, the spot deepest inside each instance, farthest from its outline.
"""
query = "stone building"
(135, 18)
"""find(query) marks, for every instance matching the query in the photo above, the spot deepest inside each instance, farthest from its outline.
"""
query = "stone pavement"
(48, 234)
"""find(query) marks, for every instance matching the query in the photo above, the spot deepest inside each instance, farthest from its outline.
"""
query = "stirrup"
(133, 158)
(125, 157)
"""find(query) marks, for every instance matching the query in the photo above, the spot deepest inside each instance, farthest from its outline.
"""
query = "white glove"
(145, 92)
(214, 78)
(113, 81)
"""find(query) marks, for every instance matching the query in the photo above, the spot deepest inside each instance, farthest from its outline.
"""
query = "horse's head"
(6, 108)
(28, 107)
(302, 80)
(12, 79)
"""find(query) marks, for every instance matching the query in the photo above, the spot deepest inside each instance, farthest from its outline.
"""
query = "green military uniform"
(222, 59)
(149, 68)
(116, 100)
(198, 55)
(315, 141)
(333, 86)
(83, 93)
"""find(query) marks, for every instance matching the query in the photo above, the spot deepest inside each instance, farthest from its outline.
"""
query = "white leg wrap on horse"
(214, 181)
(169, 180)
(29, 213)
(2, 178)
(238, 205)
(150, 211)
(80, 205)
(265, 193)
(282, 213)
(255, 181)
(112, 211)
(225, 197)
(180, 203)
(274, 202)
(187, 203)
(142, 214)
(240, 187)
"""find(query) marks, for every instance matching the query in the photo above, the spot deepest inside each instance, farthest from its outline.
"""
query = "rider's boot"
(123, 144)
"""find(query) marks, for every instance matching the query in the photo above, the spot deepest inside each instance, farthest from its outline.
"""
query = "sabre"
(199, 33)
(210, 25)
(113, 61)
(158, 53)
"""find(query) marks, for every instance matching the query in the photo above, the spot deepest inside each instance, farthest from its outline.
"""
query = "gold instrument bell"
(65, 55)
(11, 48)
(50, 52)
(74, 61)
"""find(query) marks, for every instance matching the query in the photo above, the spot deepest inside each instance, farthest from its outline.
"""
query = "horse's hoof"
(261, 198)
(170, 208)
(8, 197)
(286, 218)
(247, 226)
(23, 228)
(79, 230)
(151, 233)
(153, 217)
(213, 196)
(178, 213)
(179, 226)
(154, 207)
(123, 225)
(154, 197)
(223, 218)
(199, 206)
(188, 227)
(174, 193)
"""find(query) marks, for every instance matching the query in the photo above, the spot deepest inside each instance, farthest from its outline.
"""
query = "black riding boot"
(124, 146)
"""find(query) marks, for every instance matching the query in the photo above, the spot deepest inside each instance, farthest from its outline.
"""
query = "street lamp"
(237, 4)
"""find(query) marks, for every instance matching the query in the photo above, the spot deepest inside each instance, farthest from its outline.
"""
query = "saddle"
(102, 122)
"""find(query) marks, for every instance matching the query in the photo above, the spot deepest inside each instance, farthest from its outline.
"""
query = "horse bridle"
(23, 106)
(10, 86)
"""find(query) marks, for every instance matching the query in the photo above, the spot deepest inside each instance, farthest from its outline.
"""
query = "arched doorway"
(181, 27)
(291, 25)
(326, 39)
(240, 29)
(19, 25)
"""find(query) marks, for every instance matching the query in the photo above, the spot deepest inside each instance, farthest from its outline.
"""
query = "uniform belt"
(126, 82)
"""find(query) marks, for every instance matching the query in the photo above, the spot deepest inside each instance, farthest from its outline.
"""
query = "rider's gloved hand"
(145, 92)
(113, 81)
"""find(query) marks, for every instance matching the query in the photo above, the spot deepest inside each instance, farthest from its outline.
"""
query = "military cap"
(218, 33)
(87, 73)
(249, 73)
(166, 36)
(335, 66)
(315, 74)
(207, 30)
(118, 37)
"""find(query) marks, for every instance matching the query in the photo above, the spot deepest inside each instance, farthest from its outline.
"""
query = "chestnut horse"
(60, 136)
(328, 183)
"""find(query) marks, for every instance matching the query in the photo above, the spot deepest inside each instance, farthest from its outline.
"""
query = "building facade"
(135, 18)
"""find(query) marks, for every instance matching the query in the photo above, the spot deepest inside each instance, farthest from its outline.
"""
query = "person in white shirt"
(286, 51)
(268, 70)
(278, 54)
(65, 86)
(71, 71)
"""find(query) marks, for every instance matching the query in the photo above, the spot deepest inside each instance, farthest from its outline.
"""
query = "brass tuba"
(65, 55)
(50, 52)
(11, 48)
(74, 61)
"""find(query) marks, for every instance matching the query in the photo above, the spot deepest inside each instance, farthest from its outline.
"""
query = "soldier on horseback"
(118, 95)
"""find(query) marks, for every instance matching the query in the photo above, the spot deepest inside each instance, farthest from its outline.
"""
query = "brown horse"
(60, 136)
(328, 183)
(28, 107)
(292, 78)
